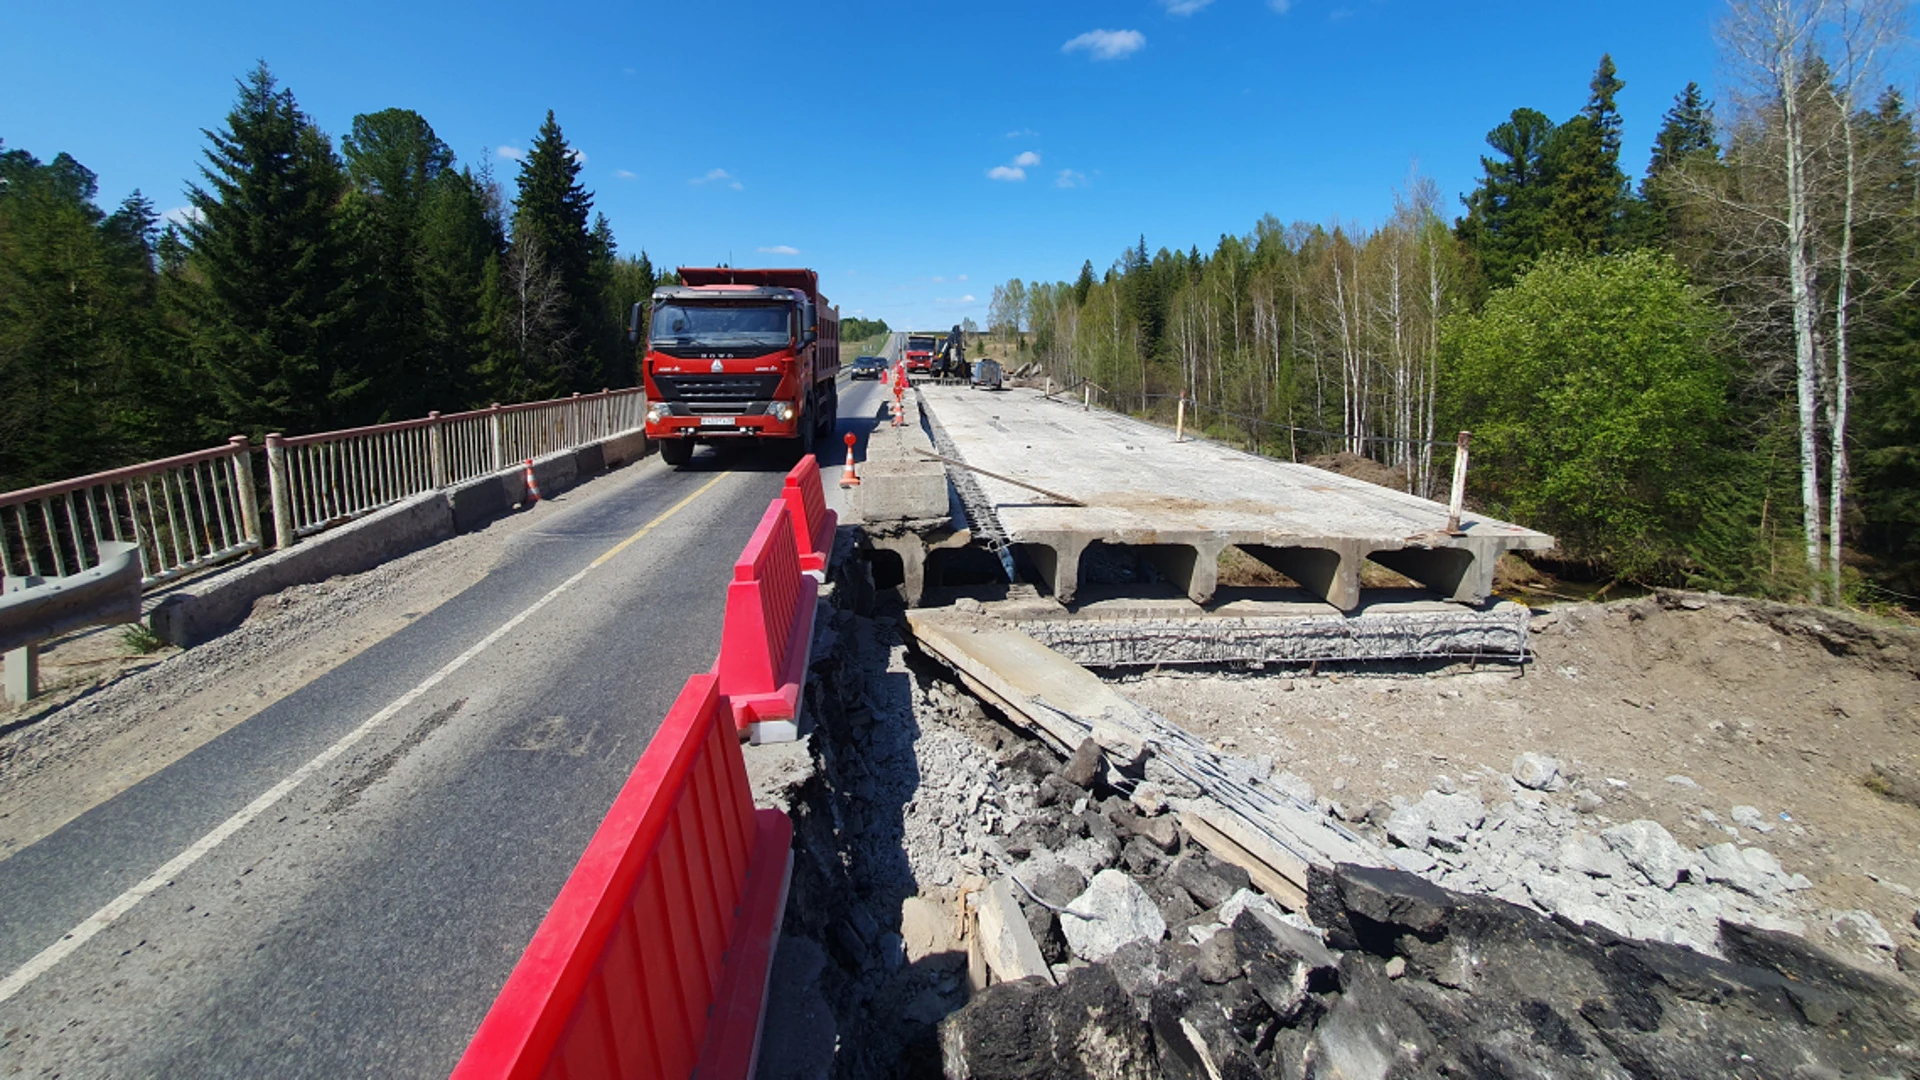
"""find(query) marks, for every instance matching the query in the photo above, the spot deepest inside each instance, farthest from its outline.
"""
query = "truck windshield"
(721, 324)
(920, 344)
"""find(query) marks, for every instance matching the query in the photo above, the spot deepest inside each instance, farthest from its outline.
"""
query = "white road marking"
(125, 902)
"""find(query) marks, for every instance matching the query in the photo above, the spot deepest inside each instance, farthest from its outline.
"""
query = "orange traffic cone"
(533, 489)
(849, 478)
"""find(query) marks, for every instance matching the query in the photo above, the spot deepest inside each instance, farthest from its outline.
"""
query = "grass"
(140, 639)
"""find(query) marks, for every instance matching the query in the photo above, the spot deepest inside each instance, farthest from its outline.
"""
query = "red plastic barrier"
(768, 632)
(813, 523)
(653, 961)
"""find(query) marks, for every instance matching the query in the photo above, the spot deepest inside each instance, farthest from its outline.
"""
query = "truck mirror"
(633, 326)
(809, 336)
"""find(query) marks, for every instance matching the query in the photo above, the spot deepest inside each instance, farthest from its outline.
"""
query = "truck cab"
(739, 354)
(918, 355)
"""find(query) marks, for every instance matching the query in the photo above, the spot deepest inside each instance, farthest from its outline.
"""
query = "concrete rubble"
(942, 850)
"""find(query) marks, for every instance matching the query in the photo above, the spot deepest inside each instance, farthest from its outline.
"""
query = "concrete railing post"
(280, 491)
(499, 439)
(23, 664)
(245, 494)
(436, 450)
(1456, 502)
(1180, 421)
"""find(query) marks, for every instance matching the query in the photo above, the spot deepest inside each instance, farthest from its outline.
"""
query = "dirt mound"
(1361, 468)
(1726, 721)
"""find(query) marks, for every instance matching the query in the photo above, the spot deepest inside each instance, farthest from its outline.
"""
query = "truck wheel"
(808, 427)
(830, 416)
(676, 452)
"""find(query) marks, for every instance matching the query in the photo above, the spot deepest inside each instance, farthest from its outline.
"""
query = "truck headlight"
(655, 412)
(783, 412)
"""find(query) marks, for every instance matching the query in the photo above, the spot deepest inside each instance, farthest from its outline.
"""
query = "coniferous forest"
(1708, 375)
(313, 286)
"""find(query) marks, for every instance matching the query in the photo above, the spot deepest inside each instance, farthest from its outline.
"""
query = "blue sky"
(863, 139)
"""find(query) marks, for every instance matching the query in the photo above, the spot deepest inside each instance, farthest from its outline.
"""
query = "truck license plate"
(716, 421)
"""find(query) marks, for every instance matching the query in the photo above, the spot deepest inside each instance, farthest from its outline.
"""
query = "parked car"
(986, 374)
(869, 367)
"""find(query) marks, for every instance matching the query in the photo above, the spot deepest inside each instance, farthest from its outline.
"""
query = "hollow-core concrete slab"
(1180, 504)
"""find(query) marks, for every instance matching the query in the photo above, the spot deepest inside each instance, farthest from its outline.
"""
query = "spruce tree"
(556, 269)
(1687, 140)
(1686, 132)
(1083, 284)
(279, 314)
(460, 243)
(1589, 205)
(394, 160)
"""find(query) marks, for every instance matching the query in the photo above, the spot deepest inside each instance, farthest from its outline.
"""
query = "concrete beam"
(1331, 571)
(1462, 573)
(1193, 567)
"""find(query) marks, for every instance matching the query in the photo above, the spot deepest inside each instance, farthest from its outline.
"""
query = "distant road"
(361, 924)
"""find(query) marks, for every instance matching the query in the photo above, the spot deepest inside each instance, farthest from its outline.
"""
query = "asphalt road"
(361, 923)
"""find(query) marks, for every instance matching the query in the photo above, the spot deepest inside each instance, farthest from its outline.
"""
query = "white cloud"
(718, 176)
(1006, 172)
(579, 156)
(1281, 6)
(1107, 44)
(511, 152)
(181, 216)
(626, 174)
(1027, 160)
(962, 277)
(779, 249)
(952, 301)
(1184, 7)
(939, 278)
(1069, 178)
(1023, 133)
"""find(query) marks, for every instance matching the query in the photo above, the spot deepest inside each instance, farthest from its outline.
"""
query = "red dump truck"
(918, 355)
(740, 354)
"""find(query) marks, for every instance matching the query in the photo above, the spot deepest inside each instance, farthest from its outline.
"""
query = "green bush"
(1596, 395)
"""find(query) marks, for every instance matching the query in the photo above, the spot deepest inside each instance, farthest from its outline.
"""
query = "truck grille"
(731, 389)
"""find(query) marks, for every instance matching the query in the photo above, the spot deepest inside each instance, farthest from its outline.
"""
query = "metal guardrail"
(191, 511)
(318, 481)
(182, 513)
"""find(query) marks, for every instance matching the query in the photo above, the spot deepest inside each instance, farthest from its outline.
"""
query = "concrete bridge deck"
(1179, 505)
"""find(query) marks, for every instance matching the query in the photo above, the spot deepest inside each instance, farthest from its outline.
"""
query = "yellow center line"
(649, 526)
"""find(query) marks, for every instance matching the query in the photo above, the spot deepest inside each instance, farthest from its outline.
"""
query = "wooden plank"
(1284, 892)
(1017, 667)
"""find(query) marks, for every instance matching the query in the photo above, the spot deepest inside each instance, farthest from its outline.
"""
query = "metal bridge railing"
(198, 509)
(183, 512)
(318, 481)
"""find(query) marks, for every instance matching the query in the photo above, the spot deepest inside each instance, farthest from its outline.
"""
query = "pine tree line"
(1633, 358)
(309, 289)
